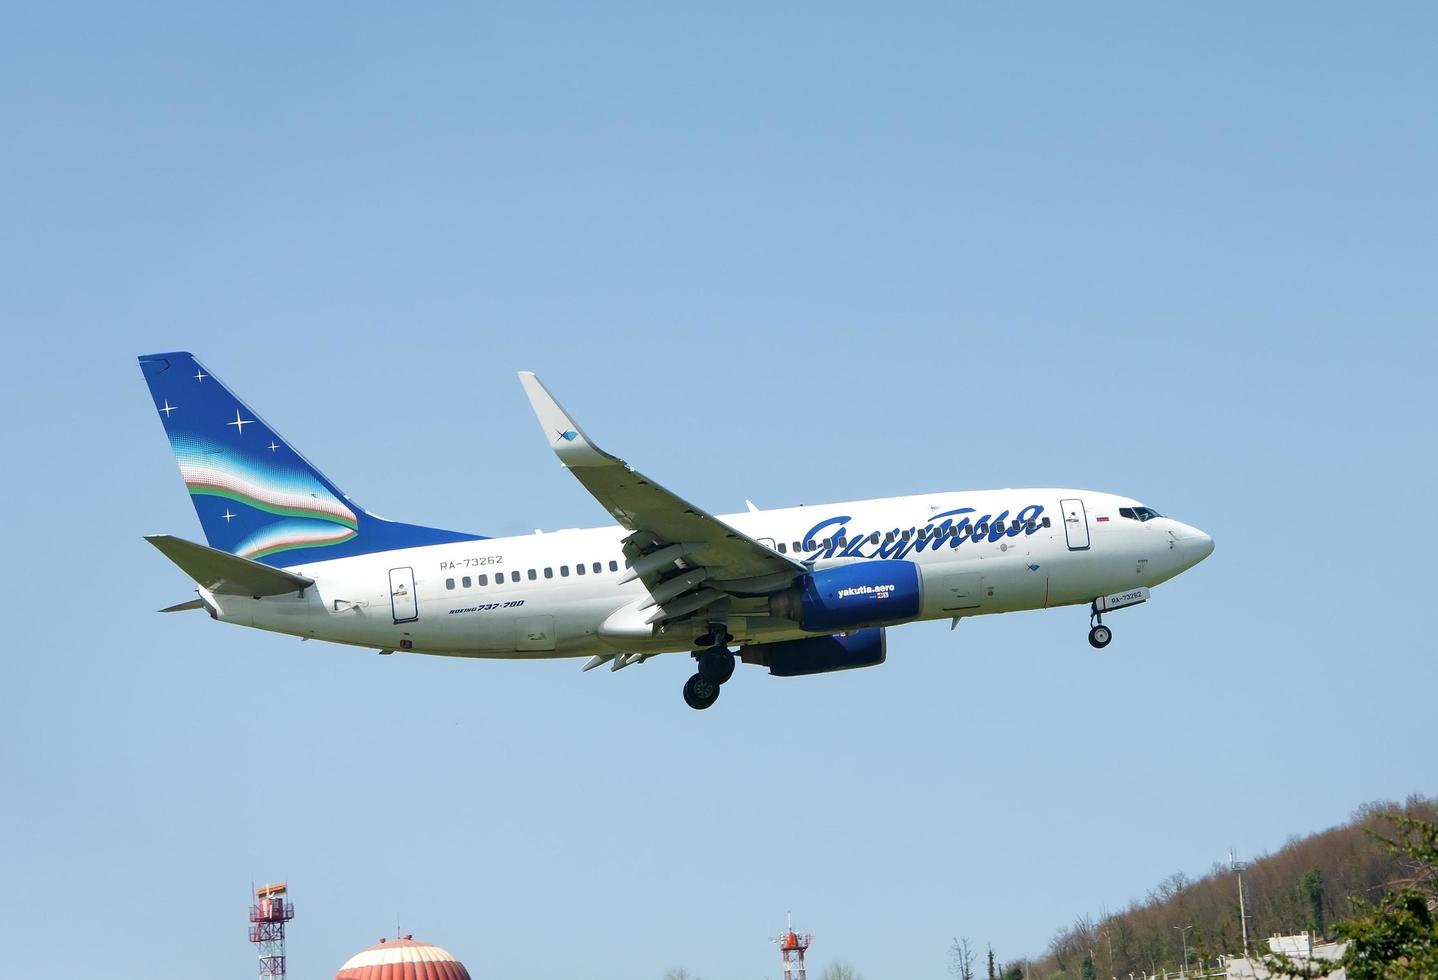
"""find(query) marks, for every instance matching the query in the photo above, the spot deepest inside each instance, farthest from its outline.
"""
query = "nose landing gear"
(1099, 635)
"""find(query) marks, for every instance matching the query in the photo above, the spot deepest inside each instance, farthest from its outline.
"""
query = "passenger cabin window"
(1048, 523)
(533, 575)
(613, 565)
(998, 527)
(783, 548)
(549, 573)
(449, 583)
(466, 581)
(484, 580)
(598, 568)
(579, 569)
(564, 571)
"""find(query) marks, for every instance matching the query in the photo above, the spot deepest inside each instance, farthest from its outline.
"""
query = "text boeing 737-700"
(800, 590)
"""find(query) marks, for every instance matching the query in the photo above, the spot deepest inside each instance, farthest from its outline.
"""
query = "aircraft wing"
(670, 535)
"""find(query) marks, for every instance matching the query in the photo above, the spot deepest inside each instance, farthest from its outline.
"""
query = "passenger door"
(402, 600)
(1075, 524)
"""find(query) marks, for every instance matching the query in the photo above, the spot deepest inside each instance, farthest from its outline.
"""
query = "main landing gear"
(699, 693)
(1099, 635)
(715, 666)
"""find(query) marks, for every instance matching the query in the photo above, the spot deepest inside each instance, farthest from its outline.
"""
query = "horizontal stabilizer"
(224, 573)
(185, 606)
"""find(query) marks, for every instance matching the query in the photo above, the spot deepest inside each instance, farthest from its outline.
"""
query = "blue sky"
(802, 254)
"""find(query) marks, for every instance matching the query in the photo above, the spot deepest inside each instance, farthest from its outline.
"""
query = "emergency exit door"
(1075, 524)
(402, 599)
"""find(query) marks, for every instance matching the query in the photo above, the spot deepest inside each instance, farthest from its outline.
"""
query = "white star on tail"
(240, 423)
(228, 516)
(200, 375)
(273, 445)
(168, 408)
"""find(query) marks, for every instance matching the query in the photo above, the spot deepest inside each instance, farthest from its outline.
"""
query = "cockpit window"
(1138, 513)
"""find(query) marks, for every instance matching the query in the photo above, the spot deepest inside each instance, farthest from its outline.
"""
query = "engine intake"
(819, 654)
(861, 594)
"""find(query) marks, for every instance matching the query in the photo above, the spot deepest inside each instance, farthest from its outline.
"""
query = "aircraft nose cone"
(1196, 545)
(1203, 545)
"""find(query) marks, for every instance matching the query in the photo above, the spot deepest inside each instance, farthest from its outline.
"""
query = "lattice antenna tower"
(793, 946)
(272, 909)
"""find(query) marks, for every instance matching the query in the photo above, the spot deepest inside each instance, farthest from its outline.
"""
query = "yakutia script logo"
(951, 529)
(877, 591)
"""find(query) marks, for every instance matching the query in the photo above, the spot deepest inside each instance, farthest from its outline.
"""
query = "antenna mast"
(1237, 867)
(267, 930)
(793, 946)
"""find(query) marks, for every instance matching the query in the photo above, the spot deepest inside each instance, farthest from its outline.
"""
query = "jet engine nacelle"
(862, 594)
(819, 654)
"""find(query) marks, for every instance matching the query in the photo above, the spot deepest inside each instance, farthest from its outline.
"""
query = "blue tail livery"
(257, 497)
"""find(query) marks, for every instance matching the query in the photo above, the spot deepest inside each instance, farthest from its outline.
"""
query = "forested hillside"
(1305, 885)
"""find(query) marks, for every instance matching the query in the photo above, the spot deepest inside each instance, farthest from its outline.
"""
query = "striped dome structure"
(403, 959)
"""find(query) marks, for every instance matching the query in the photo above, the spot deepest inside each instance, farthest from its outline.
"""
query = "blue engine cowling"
(862, 594)
(819, 654)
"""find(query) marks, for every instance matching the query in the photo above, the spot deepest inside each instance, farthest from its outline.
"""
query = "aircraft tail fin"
(256, 496)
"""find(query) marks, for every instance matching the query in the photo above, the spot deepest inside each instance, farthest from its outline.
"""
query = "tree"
(1015, 972)
(839, 970)
(678, 973)
(961, 959)
(1313, 891)
(993, 965)
(1397, 939)
(1086, 970)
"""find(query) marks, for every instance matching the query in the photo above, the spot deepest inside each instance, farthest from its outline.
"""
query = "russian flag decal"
(1103, 520)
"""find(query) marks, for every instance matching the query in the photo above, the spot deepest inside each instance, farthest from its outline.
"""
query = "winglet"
(565, 436)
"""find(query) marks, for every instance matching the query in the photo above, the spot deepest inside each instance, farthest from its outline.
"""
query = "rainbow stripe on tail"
(257, 497)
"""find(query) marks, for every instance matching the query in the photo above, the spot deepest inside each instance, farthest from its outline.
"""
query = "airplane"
(798, 590)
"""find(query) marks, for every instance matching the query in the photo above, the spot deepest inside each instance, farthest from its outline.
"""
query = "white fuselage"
(444, 599)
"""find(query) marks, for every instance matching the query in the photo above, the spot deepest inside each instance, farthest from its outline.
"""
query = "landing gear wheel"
(1100, 636)
(716, 664)
(699, 693)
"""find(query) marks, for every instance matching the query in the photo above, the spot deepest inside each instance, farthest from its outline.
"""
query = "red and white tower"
(793, 946)
(267, 928)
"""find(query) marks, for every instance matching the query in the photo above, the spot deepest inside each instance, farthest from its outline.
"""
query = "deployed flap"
(642, 505)
(224, 573)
